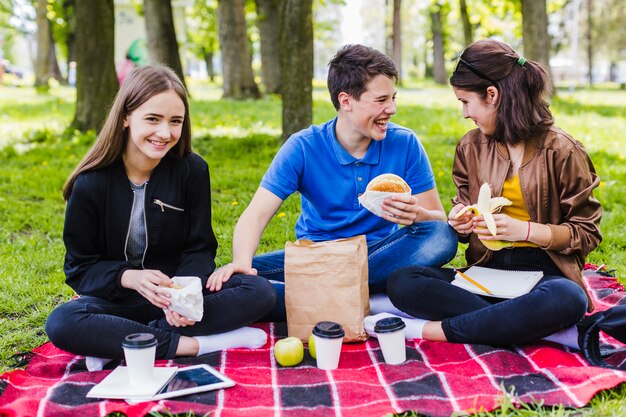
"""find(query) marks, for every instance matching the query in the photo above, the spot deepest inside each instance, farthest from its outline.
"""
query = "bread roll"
(389, 183)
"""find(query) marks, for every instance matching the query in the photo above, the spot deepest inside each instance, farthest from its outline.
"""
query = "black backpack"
(611, 322)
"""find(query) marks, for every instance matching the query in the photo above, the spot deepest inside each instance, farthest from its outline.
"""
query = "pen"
(473, 282)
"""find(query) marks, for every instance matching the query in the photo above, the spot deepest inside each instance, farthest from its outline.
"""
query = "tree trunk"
(96, 82)
(161, 36)
(396, 38)
(535, 32)
(439, 68)
(467, 26)
(268, 12)
(589, 40)
(70, 41)
(53, 65)
(208, 60)
(296, 59)
(43, 44)
(428, 68)
(236, 59)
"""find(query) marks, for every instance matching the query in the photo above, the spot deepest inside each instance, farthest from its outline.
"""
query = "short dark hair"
(353, 66)
(523, 111)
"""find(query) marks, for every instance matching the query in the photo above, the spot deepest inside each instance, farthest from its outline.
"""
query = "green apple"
(311, 345)
(289, 351)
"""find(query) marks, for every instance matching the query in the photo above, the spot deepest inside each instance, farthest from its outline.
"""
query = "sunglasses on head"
(475, 70)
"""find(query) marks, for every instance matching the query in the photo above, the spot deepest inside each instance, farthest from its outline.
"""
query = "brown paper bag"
(327, 281)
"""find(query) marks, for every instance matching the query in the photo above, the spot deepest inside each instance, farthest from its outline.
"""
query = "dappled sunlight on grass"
(596, 118)
(235, 119)
(51, 111)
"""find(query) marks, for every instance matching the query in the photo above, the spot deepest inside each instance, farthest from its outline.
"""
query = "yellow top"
(513, 191)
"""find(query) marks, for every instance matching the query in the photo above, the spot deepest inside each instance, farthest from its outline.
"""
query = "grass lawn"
(239, 139)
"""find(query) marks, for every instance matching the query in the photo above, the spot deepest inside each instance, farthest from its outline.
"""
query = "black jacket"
(180, 238)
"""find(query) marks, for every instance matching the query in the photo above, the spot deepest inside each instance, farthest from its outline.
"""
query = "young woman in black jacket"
(138, 213)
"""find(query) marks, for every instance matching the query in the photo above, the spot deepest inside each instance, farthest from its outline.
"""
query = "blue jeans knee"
(427, 243)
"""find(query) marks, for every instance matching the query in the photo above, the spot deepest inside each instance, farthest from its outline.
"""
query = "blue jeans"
(427, 243)
(553, 304)
(93, 326)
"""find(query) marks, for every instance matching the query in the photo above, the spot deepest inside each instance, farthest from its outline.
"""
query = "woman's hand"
(223, 274)
(508, 228)
(463, 225)
(176, 320)
(401, 209)
(148, 283)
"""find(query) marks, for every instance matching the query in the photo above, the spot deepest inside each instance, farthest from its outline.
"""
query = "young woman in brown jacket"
(551, 225)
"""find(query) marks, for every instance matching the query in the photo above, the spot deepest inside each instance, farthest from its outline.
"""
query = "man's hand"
(401, 209)
(223, 274)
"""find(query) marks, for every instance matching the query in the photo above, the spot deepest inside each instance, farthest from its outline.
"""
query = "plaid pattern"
(437, 379)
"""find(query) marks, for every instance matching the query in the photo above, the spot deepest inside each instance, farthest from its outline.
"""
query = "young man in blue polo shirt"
(331, 164)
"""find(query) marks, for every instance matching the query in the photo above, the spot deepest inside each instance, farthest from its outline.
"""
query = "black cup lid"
(328, 330)
(389, 324)
(139, 340)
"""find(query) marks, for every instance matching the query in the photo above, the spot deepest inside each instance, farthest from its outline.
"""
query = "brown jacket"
(557, 179)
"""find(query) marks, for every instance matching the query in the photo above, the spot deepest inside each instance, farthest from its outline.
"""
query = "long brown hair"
(139, 86)
(522, 110)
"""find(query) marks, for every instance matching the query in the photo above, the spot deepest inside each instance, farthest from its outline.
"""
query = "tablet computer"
(192, 379)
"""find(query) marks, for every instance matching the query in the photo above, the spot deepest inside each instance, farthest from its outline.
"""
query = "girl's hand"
(148, 283)
(464, 225)
(176, 320)
(223, 274)
(508, 228)
(401, 209)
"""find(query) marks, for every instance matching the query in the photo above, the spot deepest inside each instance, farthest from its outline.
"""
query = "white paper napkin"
(187, 300)
(373, 200)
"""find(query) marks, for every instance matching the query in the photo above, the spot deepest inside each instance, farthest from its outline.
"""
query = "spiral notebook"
(497, 283)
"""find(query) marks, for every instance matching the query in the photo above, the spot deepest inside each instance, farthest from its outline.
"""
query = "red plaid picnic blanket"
(437, 379)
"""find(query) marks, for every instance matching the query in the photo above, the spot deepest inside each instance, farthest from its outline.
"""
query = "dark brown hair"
(139, 86)
(522, 84)
(353, 66)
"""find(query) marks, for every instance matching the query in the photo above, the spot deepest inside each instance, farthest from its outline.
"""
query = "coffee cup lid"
(328, 330)
(389, 324)
(139, 340)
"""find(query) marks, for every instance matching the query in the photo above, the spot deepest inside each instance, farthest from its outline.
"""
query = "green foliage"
(202, 27)
(61, 16)
(5, 6)
(239, 139)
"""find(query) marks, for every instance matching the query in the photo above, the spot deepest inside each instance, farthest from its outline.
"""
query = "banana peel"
(485, 206)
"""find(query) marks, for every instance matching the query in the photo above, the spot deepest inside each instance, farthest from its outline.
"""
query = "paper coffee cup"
(390, 334)
(328, 337)
(140, 352)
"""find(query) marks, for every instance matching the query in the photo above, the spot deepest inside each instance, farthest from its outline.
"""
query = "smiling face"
(367, 117)
(481, 110)
(154, 128)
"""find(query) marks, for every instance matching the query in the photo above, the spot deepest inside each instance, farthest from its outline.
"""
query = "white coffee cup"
(390, 334)
(140, 352)
(328, 337)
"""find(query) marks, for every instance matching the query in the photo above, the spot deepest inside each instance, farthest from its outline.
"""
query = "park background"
(256, 73)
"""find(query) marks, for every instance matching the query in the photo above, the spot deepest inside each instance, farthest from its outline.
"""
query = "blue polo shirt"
(330, 180)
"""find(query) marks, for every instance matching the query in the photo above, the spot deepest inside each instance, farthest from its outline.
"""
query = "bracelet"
(527, 233)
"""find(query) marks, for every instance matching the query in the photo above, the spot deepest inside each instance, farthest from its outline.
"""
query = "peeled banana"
(485, 206)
